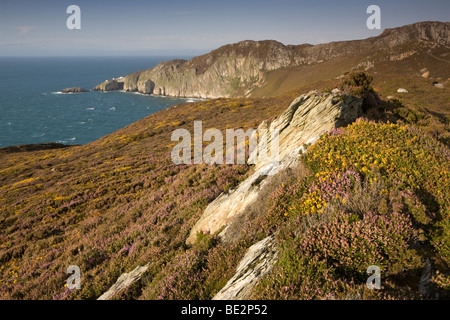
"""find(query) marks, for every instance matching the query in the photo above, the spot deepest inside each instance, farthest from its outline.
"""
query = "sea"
(33, 109)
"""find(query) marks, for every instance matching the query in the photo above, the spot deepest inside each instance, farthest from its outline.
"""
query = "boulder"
(74, 90)
(401, 90)
(335, 91)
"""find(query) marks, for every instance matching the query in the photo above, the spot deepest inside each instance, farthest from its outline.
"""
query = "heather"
(372, 193)
(139, 226)
(117, 203)
(377, 194)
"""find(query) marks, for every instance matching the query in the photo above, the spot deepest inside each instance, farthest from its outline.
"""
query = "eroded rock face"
(257, 262)
(308, 116)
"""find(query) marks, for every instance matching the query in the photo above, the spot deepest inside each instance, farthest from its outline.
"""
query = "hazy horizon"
(178, 28)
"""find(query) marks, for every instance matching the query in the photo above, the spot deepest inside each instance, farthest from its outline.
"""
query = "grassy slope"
(112, 204)
(119, 202)
(424, 105)
(280, 81)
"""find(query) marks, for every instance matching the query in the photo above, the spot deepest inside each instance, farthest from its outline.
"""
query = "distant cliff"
(236, 70)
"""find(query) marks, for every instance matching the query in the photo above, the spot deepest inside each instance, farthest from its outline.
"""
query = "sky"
(192, 27)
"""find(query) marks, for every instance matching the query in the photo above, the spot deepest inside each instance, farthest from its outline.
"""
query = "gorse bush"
(360, 80)
(403, 157)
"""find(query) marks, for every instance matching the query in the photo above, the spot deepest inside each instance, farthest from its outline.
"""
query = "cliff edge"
(237, 70)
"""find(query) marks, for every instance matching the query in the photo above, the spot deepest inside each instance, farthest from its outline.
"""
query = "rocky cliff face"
(225, 72)
(237, 69)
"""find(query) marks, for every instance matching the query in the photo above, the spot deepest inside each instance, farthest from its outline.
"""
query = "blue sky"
(191, 27)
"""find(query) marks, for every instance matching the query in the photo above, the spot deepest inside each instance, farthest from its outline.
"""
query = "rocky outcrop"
(74, 90)
(238, 69)
(402, 56)
(257, 262)
(308, 116)
(124, 281)
(110, 85)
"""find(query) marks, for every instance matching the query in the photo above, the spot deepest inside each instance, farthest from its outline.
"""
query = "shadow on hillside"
(440, 116)
(34, 147)
(392, 110)
(378, 109)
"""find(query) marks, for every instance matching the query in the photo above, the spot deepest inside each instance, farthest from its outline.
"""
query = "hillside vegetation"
(373, 193)
(112, 204)
(378, 194)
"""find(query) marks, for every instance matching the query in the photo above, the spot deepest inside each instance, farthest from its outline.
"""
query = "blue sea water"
(32, 109)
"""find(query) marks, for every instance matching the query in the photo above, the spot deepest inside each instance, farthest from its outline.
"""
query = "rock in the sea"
(308, 116)
(74, 90)
(257, 262)
(401, 90)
